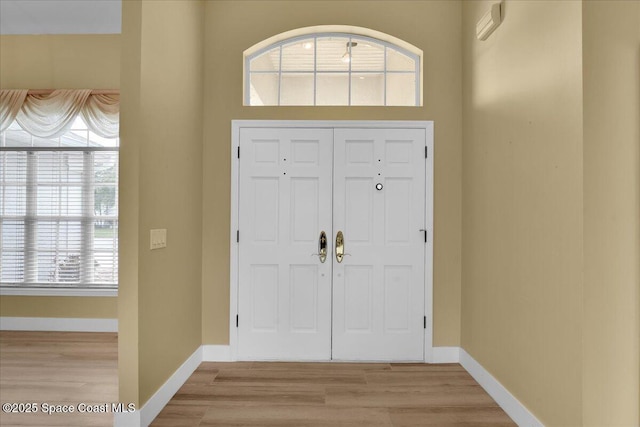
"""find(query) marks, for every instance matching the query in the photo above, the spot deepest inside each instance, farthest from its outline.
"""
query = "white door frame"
(236, 125)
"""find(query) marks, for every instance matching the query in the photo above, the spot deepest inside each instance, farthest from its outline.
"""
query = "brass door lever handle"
(340, 253)
(322, 247)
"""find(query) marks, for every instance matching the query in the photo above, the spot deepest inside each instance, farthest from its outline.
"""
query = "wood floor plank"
(264, 394)
(202, 377)
(430, 377)
(225, 365)
(321, 366)
(175, 415)
(295, 416)
(407, 397)
(328, 376)
(422, 367)
(57, 420)
(58, 368)
(490, 416)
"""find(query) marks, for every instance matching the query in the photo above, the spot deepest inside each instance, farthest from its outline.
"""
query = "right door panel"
(379, 205)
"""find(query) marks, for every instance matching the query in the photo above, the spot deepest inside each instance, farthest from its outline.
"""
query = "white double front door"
(367, 185)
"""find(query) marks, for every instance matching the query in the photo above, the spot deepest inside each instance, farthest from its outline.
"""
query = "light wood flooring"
(331, 394)
(58, 368)
(69, 368)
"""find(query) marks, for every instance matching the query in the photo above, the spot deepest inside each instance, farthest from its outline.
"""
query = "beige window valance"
(48, 115)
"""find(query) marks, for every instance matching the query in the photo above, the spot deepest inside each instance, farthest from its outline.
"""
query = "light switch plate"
(158, 238)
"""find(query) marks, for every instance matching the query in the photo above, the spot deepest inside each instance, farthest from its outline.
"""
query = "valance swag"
(51, 115)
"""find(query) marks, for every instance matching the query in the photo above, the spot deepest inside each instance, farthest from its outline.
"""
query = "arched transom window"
(332, 68)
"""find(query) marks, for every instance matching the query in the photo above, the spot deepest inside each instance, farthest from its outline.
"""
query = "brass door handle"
(322, 247)
(340, 254)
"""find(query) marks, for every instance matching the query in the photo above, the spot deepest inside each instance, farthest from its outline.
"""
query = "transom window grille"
(332, 69)
(58, 209)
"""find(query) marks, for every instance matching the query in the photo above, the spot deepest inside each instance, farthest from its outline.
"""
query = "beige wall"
(74, 307)
(59, 62)
(522, 203)
(611, 364)
(232, 27)
(161, 182)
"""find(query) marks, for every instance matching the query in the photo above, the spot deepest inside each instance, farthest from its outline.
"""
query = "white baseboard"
(127, 419)
(512, 406)
(444, 355)
(150, 410)
(58, 324)
(216, 353)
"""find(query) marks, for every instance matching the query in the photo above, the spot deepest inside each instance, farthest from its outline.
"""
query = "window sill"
(57, 292)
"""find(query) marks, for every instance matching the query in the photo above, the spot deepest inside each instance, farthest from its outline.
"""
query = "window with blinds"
(58, 210)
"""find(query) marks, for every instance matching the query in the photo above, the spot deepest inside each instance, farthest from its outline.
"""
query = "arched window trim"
(288, 37)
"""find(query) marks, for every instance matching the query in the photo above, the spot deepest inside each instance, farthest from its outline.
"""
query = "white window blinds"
(58, 209)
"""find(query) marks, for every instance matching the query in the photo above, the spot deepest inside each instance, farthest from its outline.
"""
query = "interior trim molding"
(127, 419)
(444, 355)
(150, 410)
(58, 292)
(216, 353)
(58, 324)
(512, 406)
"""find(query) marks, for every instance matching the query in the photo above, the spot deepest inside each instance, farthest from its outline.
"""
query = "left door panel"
(284, 203)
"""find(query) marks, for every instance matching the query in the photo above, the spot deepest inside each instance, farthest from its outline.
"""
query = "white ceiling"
(60, 16)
